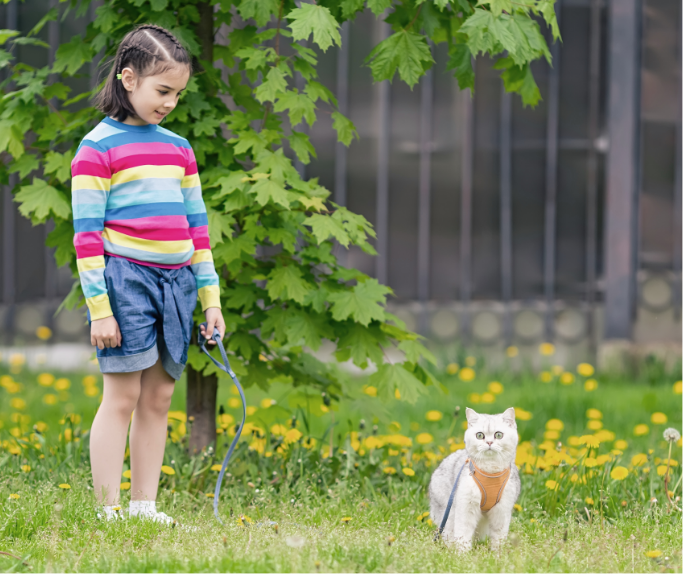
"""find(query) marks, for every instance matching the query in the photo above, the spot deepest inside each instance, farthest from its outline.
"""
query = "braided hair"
(149, 50)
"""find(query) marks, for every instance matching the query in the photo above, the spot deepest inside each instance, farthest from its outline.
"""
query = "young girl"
(143, 253)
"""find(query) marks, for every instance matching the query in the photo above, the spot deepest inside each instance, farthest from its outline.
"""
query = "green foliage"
(271, 232)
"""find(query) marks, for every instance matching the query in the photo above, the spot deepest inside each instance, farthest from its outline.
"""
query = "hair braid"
(161, 31)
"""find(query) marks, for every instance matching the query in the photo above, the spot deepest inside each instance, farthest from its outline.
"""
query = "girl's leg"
(109, 431)
(148, 431)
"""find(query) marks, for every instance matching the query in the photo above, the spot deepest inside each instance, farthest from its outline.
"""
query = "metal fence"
(495, 224)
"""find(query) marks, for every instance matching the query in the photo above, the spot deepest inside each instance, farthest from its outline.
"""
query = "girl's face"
(153, 97)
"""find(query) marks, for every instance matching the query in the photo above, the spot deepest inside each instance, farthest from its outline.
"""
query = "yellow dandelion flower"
(209, 495)
(512, 351)
(546, 349)
(88, 380)
(65, 486)
(167, 470)
(619, 473)
(522, 415)
(678, 387)
(50, 399)
(370, 390)
(585, 369)
(251, 410)
(474, 398)
(554, 424)
(18, 404)
(126, 474)
(216, 467)
(551, 435)
(25, 468)
(424, 438)
(653, 553)
(661, 470)
(293, 435)
(279, 430)
(593, 414)
(590, 385)
(546, 376)
(488, 398)
(641, 430)
(389, 470)
(518, 507)
(408, 471)
(40, 426)
(397, 394)
(46, 379)
(234, 403)
(589, 500)
(639, 459)
(658, 418)
(266, 403)
(125, 486)
(452, 368)
(590, 441)
(394, 426)
(43, 333)
(567, 378)
(467, 374)
(15, 496)
(91, 391)
(434, 416)
(346, 519)
(495, 387)
(594, 425)
(62, 384)
(621, 444)
(422, 516)
(551, 484)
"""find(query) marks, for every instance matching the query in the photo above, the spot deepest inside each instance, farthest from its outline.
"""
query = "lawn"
(343, 488)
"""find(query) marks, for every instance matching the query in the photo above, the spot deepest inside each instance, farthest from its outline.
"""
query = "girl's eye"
(498, 435)
(480, 435)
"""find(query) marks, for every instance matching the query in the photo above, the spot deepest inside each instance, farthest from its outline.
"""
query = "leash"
(450, 503)
(201, 341)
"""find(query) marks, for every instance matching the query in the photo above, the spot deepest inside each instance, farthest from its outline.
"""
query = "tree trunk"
(202, 390)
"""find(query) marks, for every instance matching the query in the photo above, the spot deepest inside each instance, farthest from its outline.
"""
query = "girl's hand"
(105, 333)
(214, 318)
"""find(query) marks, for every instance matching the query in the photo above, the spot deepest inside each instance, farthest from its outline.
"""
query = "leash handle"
(201, 340)
(450, 502)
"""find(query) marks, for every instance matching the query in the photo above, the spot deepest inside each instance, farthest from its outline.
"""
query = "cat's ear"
(509, 417)
(471, 415)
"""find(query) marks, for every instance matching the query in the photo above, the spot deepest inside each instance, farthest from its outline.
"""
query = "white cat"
(490, 446)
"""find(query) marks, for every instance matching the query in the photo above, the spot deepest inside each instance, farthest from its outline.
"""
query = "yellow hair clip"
(118, 76)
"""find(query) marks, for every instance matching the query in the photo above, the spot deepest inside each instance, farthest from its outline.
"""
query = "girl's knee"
(157, 399)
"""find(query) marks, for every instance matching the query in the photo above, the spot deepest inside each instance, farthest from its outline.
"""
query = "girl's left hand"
(214, 318)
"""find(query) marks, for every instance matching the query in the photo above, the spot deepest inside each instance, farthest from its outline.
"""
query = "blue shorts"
(153, 307)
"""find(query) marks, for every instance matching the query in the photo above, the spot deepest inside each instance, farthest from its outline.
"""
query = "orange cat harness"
(491, 486)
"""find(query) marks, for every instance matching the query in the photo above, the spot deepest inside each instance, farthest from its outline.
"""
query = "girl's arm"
(202, 261)
(90, 185)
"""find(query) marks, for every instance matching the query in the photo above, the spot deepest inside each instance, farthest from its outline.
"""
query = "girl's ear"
(128, 79)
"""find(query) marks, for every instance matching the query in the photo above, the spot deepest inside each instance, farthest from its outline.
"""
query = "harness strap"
(450, 503)
(489, 482)
(225, 367)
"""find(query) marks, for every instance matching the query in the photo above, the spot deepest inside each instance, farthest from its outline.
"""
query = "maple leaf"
(39, 199)
(405, 51)
(316, 20)
(301, 145)
(59, 164)
(390, 378)
(364, 303)
(324, 226)
(220, 224)
(267, 190)
(286, 282)
(344, 128)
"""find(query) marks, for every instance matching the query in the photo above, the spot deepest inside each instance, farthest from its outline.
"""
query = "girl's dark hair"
(149, 50)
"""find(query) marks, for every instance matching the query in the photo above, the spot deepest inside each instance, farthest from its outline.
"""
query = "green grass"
(308, 494)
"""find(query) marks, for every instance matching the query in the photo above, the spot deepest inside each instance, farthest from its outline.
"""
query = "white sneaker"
(152, 515)
(111, 513)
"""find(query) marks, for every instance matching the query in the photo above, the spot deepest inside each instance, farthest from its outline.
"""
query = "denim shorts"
(153, 307)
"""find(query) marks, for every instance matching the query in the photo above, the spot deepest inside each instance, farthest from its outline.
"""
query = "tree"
(296, 293)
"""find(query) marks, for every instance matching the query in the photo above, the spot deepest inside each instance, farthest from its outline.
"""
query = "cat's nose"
(489, 442)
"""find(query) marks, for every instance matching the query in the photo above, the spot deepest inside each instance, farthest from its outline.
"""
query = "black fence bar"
(550, 223)
(677, 192)
(467, 170)
(506, 211)
(424, 196)
(592, 171)
(622, 171)
(8, 213)
(383, 143)
(341, 152)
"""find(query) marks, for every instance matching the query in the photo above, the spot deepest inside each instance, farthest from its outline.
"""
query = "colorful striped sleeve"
(202, 261)
(90, 184)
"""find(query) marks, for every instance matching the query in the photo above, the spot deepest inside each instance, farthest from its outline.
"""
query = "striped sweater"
(136, 194)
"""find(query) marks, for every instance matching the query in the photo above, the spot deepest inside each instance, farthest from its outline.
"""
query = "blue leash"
(201, 341)
(450, 503)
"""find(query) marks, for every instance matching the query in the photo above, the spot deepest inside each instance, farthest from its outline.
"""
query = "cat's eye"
(480, 435)
(498, 435)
